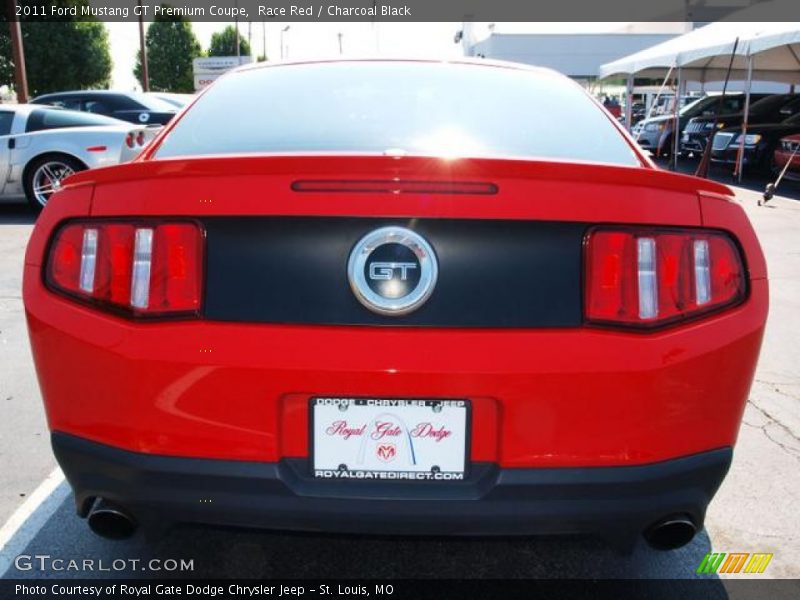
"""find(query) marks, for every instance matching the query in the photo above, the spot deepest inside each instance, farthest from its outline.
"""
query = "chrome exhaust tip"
(111, 521)
(671, 532)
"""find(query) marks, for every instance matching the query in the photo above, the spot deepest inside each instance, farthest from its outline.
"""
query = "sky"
(317, 40)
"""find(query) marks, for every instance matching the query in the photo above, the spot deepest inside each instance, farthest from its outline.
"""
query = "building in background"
(577, 55)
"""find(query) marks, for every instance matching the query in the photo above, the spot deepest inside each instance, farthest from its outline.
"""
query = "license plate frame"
(393, 475)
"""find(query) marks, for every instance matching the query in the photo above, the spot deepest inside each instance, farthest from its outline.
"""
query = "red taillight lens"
(140, 138)
(143, 268)
(130, 140)
(651, 277)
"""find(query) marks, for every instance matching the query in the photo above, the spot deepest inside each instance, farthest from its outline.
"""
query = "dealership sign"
(208, 69)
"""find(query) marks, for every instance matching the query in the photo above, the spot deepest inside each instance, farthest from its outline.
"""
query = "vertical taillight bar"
(142, 256)
(141, 268)
(648, 284)
(647, 277)
(88, 260)
(702, 272)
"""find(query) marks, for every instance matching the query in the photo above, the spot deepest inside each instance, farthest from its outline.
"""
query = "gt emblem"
(385, 270)
(386, 452)
(392, 271)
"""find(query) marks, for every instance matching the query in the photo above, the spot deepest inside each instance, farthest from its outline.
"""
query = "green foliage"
(171, 47)
(223, 43)
(59, 56)
(6, 62)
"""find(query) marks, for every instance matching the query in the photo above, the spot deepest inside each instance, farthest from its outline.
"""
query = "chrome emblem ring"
(392, 271)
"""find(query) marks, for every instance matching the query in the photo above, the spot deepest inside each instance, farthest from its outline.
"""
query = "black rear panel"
(491, 273)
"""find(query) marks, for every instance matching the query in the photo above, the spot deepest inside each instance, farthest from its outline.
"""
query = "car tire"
(43, 176)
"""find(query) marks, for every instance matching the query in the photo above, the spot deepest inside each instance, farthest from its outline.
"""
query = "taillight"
(652, 277)
(138, 267)
(140, 138)
(130, 140)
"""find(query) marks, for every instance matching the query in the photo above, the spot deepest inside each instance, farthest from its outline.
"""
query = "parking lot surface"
(755, 510)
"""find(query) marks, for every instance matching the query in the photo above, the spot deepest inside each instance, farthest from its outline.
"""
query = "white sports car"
(40, 146)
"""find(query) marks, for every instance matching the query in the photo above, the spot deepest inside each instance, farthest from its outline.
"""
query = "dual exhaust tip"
(111, 521)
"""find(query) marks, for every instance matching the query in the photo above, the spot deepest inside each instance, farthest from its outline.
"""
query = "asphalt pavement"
(755, 510)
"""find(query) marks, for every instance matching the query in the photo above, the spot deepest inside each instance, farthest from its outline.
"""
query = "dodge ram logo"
(392, 270)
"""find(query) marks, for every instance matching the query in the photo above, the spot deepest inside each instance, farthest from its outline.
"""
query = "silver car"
(40, 146)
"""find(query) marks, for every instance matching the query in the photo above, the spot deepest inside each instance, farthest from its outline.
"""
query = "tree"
(223, 43)
(171, 47)
(6, 62)
(60, 55)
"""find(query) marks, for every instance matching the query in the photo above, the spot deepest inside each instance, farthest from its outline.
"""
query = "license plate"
(389, 439)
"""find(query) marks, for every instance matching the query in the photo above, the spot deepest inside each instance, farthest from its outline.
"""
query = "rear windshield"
(430, 109)
(45, 118)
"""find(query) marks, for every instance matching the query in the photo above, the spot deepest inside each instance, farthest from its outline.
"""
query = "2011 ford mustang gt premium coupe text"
(395, 297)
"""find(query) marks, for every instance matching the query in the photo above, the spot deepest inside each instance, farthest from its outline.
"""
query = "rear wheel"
(43, 177)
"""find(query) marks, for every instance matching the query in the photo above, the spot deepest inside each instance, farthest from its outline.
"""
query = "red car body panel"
(585, 396)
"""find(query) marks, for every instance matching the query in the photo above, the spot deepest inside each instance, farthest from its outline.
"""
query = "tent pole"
(629, 102)
(675, 122)
(654, 101)
(740, 153)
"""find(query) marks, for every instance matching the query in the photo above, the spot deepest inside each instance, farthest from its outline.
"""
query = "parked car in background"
(760, 143)
(409, 335)
(655, 134)
(142, 109)
(40, 146)
(788, 150)
(176, 100)
(772, 109)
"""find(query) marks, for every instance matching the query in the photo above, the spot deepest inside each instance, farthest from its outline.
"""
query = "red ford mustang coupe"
(395, 297)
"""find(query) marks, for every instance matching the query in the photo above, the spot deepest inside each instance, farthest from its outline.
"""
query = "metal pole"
(740, 153)
(629, 102)
(143, 52)
(284, 30)
(339, 35)
(18, 52)
(264, 39)
(236, 21)
(676, 120)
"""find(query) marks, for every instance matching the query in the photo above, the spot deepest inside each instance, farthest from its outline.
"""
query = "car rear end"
(407, 341)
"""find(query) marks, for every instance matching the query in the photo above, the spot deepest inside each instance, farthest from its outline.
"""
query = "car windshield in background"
(50, 118)
(769, 104)
(692, 106)
(153, 103)
(430, 109)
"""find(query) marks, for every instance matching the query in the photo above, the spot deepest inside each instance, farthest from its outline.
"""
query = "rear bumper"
(612, 502)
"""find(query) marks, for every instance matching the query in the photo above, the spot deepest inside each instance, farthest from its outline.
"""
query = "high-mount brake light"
(649, 277)
(141, 268)
(395, 186)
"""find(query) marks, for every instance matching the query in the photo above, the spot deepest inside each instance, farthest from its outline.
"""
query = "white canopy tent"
(762, 51)
(704, 54)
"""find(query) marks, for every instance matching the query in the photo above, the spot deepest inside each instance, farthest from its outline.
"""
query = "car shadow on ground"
(17, 214)
(243, 554)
